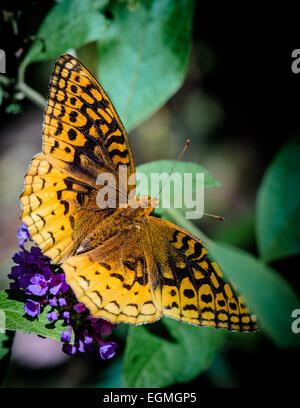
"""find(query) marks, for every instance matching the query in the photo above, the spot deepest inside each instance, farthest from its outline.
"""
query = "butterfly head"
(140, 207)
(148, 202)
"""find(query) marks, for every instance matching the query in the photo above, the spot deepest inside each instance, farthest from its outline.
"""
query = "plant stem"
(31, 94)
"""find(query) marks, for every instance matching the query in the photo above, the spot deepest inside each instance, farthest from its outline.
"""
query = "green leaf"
(165, 166)
(240, 231)
(278, 206)
(171, 195)
(12, 304)
(266, 292)
(146, 62)
(152, 361)
(69, 24)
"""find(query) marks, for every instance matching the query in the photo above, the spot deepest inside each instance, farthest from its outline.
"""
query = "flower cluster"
(45, 285)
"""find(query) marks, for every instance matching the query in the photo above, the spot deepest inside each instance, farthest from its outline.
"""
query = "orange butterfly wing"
(157, 269)
(113, 279)
(82, 137)
(144, 269)
(186, 285)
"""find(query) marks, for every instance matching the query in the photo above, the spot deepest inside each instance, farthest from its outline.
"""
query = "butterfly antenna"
(218, 217)
(175, 164)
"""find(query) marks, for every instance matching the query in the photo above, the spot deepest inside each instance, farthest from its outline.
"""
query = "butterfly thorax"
(128, 217)
(137, 209)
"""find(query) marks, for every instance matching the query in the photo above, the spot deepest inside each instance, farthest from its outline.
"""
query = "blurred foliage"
(153, 361)
(125, 67)
(278, 205)
(139, 50)
(69, 24)
(151, 46)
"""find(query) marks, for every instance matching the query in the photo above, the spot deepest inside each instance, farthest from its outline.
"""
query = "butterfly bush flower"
(107, 350)
(23, 234)
(34, 274)
(32, 308)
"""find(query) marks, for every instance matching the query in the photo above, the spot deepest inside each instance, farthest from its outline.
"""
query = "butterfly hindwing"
(112, 280)
(186, 285)
(159, 269)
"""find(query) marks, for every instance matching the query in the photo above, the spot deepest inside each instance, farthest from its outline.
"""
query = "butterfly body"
(123, 263)
(138, 209)
(122, 219)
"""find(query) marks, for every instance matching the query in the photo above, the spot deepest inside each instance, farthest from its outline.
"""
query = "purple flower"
(35, 275)
(69, 349)
(80, 346)
(38, 285)
(33, 262)
(32, 308)
(105, 328)
(23, 235)
(14, 285)
(25, 280)
(16, 272)
(52, 316)
(66, 316)
(107, 350)
(53, 301)
(57, 284)
(87, 339)
(19, 257)
(62, 302)
(101, 326)
(36, 256)
(79, 308)
(66, 334)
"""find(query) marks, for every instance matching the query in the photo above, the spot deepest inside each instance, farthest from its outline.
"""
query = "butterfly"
(124, 265)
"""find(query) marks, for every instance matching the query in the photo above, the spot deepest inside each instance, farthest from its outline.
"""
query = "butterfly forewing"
(85, 118)
(52, 208)
(82, 138)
